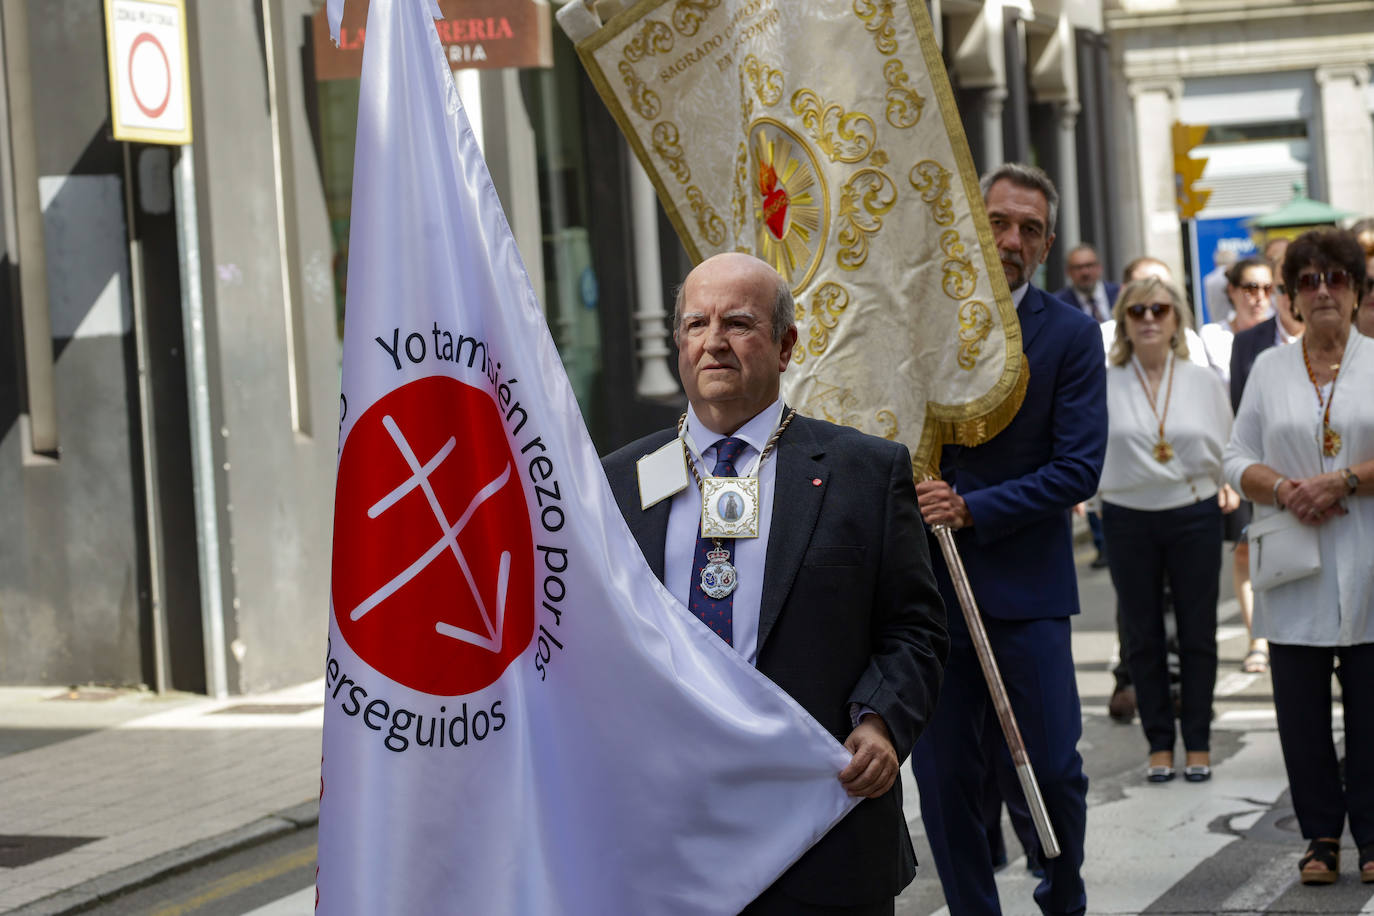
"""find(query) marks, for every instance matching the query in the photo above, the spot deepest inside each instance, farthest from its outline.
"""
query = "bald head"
(743, 266)
(734, 333)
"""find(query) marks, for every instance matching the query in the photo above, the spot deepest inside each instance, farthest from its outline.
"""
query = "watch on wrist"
(1352, 480)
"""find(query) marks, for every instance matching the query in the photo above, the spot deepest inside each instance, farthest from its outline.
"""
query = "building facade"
(1284, 92)
(168, 409)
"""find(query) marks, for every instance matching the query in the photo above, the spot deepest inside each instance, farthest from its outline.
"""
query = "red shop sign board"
(477, 34)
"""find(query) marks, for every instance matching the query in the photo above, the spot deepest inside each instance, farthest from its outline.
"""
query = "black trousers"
(774, 902)
(1142, 548)
(1302, 700)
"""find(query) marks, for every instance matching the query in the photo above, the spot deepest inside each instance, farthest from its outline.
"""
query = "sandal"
(1366, 860)
(1326, 853)
(1256, 661)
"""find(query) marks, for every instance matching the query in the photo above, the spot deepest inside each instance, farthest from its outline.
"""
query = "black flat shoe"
(1159, 773)
(1198, 772)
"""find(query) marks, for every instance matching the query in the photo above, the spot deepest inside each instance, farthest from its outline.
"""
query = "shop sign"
(477, 34)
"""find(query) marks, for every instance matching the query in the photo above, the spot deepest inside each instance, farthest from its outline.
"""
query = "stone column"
(1155, 104)
(1347, 137)
(651, 332)
(990, 115)
(1069, 231)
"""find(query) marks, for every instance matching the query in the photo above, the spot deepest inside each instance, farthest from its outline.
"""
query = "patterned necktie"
(716, 612)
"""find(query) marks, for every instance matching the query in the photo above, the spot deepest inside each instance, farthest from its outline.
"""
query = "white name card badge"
(662, 473)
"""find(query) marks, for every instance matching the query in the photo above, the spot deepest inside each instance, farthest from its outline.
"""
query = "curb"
(106, 887)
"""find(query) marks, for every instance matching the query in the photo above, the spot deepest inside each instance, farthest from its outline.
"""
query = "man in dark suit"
(1086, 291)
(1009, 502)
(1281, 327)
(835, 602)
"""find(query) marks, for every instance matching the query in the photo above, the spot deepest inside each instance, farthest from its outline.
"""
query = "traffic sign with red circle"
(150, 100)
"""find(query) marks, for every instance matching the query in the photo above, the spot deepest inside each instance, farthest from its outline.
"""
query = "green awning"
(1301, 211)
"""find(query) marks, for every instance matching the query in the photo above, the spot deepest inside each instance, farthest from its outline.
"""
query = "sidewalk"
(102, 790)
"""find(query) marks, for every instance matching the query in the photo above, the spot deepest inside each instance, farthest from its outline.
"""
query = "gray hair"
(1025, 176)
(784, 308)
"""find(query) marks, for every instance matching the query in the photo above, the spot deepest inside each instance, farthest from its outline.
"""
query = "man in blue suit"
(1086, 291)
(1009, 503)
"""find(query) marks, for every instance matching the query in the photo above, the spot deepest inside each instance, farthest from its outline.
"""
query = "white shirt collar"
(1018, 294)
(755, 432)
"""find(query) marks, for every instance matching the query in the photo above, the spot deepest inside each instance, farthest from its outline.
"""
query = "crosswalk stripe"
(1269, 881)
(301, 903)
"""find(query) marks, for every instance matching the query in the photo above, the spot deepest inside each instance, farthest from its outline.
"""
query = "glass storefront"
(571, 290)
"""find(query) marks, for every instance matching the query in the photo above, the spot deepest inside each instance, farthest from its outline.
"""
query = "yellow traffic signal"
(1187, 170)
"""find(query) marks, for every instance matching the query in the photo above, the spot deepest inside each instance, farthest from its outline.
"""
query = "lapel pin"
(815, 481)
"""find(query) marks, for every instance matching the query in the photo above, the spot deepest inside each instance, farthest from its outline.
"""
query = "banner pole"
(1049, 842)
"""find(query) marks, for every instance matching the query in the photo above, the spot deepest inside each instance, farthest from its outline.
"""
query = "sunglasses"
(1265, 288)
(1157, 309)
(1336, 279)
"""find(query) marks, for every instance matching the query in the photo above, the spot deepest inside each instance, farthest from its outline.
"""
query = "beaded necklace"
(1330, 439)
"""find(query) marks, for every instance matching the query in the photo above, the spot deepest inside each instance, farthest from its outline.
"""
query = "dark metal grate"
(18, 851)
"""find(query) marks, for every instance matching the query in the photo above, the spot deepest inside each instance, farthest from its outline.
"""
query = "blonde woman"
(1168, 420)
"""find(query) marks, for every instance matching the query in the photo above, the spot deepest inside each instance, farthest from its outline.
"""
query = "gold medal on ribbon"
(1331, 441)
(1163, 450)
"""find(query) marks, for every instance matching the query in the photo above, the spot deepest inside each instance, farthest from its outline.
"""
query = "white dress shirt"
(684, 524)
(1197, 425)
(1218, 337)
(1278, 425)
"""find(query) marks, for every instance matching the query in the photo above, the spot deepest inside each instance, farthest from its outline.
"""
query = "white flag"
(519, 718)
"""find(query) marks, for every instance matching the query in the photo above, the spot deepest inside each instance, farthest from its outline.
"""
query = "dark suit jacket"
(1244, 348)
(1069, 297)
(849, 614)
(1020, 486)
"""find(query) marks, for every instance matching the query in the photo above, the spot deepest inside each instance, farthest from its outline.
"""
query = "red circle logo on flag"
(433, 579)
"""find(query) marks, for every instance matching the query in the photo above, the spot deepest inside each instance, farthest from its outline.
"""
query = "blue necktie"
(716, 612)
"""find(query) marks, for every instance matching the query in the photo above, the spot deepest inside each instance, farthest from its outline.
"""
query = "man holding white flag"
(823, 580)
(519, 718)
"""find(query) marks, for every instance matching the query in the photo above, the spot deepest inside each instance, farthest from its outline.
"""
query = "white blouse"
(1278, 425)
(1197, 424)
(1217, 338)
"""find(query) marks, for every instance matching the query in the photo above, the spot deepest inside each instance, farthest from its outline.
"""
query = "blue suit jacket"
(1021, 485)
(1066, 295)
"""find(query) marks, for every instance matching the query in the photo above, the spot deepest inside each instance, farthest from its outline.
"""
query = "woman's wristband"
(1278, 483)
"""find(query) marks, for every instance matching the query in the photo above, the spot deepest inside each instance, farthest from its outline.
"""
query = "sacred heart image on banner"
(823, 137)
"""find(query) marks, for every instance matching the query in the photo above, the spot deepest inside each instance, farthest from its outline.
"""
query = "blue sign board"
(1210, 236)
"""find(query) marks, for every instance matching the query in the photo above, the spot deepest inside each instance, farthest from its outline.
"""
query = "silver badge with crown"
(718, 576)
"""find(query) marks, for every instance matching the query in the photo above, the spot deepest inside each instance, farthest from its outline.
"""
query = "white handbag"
(1282, 549)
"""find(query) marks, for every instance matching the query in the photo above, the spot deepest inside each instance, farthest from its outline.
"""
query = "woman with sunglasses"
(1167, 422)
(1303, 443)
(1364, 315)
(1249, 286)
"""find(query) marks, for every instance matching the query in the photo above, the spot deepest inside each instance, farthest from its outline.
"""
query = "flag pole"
(1049, 843)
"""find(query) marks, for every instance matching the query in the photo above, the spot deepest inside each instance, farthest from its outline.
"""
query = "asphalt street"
(1228, 846)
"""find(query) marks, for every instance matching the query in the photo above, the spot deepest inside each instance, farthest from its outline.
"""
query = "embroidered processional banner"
(823, 137)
